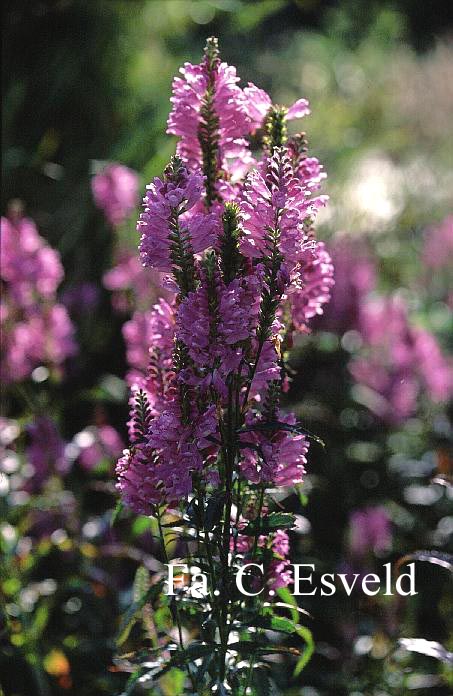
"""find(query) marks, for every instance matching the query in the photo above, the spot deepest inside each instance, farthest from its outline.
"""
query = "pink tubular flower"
(115, 191)
(215, 342)
(149, 338)
(259, 103)
(278, 457)
(317, 279)
(164, 204)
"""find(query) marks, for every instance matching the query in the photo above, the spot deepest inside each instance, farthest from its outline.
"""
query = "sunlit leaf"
(444, 560)
(427, 647)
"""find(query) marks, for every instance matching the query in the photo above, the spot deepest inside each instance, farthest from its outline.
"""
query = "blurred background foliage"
(88, 81)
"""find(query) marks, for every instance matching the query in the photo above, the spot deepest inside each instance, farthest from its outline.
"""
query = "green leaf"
(274, 623)
(119, 507)
(289, 600)
(131, 616)
(308, 651)
(276, 520)
(272, 426)
(172, 683)
(246, 647)
(189, 654)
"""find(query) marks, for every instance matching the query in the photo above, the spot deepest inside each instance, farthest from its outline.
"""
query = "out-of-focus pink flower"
(355, 278)
(45, 453)
(438, 246)
(81, 298)
(115, 191)
(35, 328)
(28, 265)
(370, 531)
(398, 361)
(133, 286)
(98, 443)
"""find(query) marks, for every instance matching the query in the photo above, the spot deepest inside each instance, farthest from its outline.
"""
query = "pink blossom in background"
(36, 329)
(96, 443)
(438, 245)
(81, 298)
(28, 265)
(115, 192)
(398, 362)
(132, 285)
(45, 453)
(370, 531)
(355, 278)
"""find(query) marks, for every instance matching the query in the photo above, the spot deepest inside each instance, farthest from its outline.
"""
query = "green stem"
(178, 618)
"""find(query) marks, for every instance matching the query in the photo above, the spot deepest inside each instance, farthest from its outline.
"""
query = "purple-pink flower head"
(214, 338)
(209, 114)
(259, 104)
(276, 203)
(167, 221)
(317, 280)
(278, 457)
(181, 447)
(138, 479)
(115, 191)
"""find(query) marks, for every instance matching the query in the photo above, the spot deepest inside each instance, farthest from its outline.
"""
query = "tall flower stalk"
(233, 229)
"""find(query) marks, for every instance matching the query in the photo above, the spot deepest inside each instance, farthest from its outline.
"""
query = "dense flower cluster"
(35, 328)
(245, 273)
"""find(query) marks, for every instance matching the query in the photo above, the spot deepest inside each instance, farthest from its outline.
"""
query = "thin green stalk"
(178, 618)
